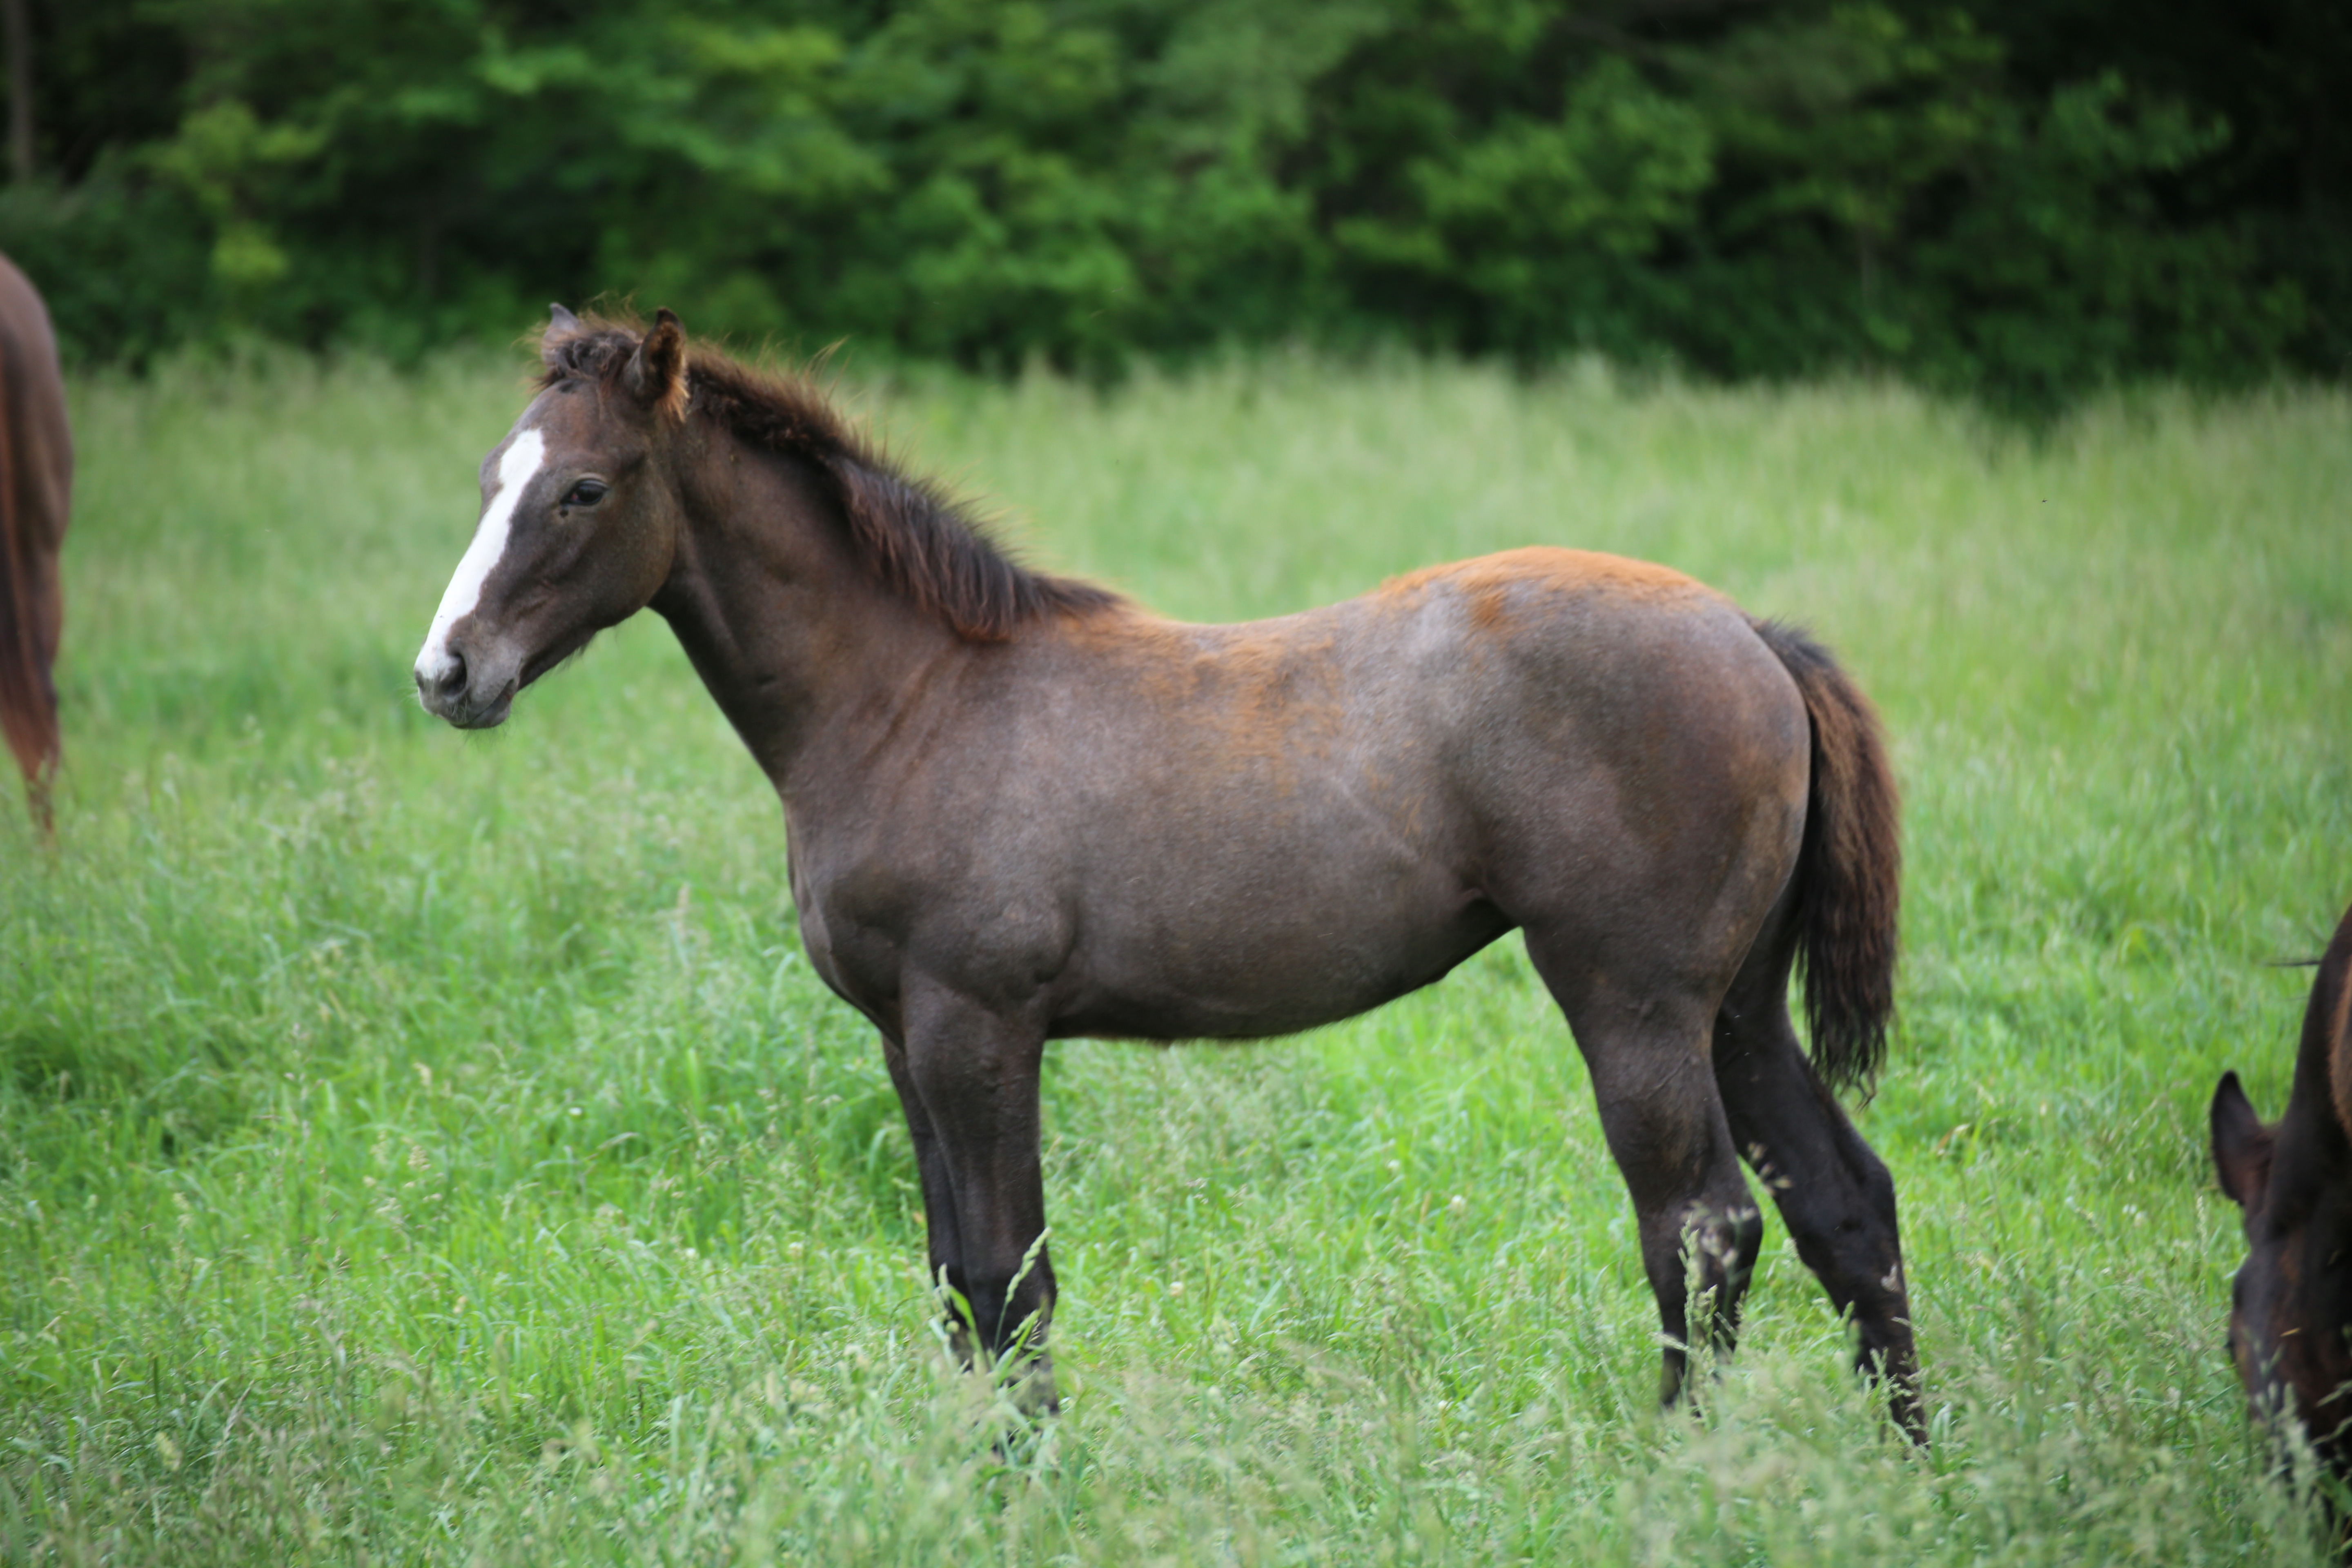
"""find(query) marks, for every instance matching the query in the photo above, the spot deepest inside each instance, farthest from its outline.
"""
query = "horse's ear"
(2242, 1144)
(2330, 1012)
(562, 327)
(657, 375)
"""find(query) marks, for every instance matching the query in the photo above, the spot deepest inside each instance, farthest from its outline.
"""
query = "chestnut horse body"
(35, 489)
(1018, 809)
(2290, 1304)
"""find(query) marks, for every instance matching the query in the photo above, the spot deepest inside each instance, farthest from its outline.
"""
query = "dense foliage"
(2020, 196)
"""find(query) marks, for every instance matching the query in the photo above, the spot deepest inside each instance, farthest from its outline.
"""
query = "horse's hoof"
(1031, 1390)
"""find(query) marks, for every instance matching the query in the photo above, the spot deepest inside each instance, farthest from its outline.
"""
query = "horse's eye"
(587, 493)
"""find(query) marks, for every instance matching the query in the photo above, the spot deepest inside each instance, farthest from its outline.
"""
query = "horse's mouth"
(463, 713)
(485, 716)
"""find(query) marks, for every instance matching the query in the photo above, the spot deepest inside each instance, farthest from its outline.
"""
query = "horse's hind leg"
(1834, 1193)
(1666, 1130)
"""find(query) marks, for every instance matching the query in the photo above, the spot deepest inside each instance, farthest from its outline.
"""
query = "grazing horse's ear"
(657, 371)
(2242, 1144)
(2331, 1010)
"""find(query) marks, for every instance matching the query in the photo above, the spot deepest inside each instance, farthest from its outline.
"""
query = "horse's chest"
(869, 921)
(847, 945)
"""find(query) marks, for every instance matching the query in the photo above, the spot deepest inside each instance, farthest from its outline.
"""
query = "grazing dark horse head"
(35, 489)
(2291, 1308)
(1020, 808)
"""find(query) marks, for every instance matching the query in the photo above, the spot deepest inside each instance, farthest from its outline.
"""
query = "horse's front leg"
(939, 1224)
(973, 1074)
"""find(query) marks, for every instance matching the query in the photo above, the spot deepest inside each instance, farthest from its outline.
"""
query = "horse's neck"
(792, 636)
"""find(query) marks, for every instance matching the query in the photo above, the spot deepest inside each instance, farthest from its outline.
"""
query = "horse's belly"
(1249, 978)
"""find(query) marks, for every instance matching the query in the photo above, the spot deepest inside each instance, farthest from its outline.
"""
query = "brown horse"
(35, 489)
(2291, 1306)
(1020, 808)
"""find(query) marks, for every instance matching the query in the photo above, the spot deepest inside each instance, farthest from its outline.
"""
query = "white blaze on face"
(520, 462)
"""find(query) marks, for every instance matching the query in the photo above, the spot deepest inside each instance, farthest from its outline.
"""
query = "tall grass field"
(417, 1148)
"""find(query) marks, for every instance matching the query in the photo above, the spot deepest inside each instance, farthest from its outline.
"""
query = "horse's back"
(36, 487)
(1491, 685)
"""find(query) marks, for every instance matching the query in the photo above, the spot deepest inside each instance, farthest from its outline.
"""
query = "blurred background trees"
(2018, 198)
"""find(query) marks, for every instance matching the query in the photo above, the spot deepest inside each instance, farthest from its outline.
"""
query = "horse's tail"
(35, 480)
(1850, 869)
(28, 709)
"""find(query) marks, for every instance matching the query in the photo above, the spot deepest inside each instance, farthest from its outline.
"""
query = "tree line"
(2016, 198)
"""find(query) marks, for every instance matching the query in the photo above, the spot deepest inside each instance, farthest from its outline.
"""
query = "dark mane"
(911, 533)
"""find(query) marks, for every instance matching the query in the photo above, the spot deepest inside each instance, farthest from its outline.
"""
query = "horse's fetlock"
(1748, 1233)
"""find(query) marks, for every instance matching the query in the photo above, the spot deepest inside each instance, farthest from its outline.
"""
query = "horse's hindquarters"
(1647, 805)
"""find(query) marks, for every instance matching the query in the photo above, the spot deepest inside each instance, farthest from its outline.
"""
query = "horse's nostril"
(446, 679)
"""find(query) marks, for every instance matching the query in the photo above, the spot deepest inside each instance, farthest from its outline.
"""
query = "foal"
(1019, 809)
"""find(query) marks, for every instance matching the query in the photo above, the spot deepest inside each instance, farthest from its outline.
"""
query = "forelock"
(596, 351)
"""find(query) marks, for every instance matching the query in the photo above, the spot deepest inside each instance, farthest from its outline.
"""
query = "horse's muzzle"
(451, 687)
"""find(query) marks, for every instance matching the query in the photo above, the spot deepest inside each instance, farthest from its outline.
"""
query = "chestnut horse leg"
(1835, 1194)
(1666, 1130)
(974, 1076)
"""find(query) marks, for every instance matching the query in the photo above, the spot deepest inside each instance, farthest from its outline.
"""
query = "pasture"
(422, 1148)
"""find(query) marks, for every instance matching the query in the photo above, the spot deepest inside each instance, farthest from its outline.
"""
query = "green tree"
(2017, 199)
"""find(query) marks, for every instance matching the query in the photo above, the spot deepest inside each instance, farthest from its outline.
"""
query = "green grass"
(419, 1149)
